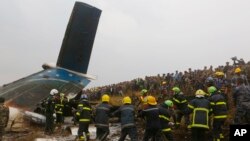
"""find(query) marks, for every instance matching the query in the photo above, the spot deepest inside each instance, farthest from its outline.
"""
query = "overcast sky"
(134, 37)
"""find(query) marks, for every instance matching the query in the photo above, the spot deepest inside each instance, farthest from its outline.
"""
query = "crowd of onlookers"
(189, 81)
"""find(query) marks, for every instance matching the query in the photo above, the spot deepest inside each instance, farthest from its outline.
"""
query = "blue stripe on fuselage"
(58, 73)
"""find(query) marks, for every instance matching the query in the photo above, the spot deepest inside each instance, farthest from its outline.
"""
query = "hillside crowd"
(161, 102)
(189, 81)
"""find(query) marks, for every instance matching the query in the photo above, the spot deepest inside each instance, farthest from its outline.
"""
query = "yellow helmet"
(126, 100)
(200, 92)
(151, 100)
(237, 70)
(105, 98)
(219, 73)
(164, 82)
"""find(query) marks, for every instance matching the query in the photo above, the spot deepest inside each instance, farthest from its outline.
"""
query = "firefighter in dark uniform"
(219, 107)
(151, 115)
(127, 116)
(4, 116)
(200, 108)
(60, 101)
(84, 113)
(165, 114)
(102, 114)
(181, 103)
(49, 111)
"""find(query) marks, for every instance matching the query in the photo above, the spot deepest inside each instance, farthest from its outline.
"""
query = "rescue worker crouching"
(165, 114)
(200, 108)
(102, 114)
(151, 115)
(219, 107)
(127, 116)
(84, 113)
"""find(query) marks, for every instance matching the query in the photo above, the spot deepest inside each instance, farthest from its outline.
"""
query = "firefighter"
(49, 111)
(165, 114)
(200, 108)
(219, 107)
(151, 115)
(84, 113)
(181, 103)
(60, 102)
(102, 114)
(4, 116)
(127, 116)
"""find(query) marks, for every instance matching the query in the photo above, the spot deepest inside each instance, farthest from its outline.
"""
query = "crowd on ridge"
(162, 103)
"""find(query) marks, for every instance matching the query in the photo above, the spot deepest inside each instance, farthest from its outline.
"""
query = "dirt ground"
(68, 133)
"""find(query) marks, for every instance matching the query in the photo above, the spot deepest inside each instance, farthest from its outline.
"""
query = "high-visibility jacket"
(84, 111)
(200, 107)
(219, 106)
(180, 102)
(59, 104)
(164, 115)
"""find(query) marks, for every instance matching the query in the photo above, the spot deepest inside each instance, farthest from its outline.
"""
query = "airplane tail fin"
(79, 38)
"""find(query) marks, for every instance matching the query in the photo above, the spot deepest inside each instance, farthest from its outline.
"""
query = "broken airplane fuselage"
(69, 74)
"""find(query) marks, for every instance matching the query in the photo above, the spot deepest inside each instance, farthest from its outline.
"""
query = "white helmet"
(53, 92)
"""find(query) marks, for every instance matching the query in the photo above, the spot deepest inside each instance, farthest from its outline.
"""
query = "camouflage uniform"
(4, 117)
(242, 98)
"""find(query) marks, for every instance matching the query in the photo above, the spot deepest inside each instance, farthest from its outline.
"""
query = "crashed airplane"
(69, 74)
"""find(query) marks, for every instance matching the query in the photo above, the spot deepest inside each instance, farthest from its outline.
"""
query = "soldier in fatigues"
(4, 116)
(241, 95)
